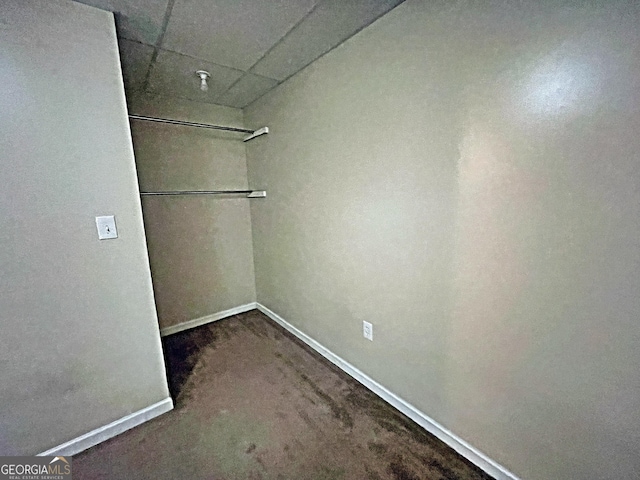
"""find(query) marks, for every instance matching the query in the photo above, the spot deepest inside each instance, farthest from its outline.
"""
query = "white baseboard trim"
(430, 425)
(106, 432)
(196, 322)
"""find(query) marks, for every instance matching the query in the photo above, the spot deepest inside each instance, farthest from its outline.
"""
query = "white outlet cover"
(367, 330)
(106, 225)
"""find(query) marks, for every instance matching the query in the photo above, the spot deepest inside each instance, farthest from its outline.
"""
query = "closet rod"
(248, 193)
(252, 133)
(189, 124)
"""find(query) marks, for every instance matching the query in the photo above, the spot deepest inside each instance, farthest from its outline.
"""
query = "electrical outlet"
(367, 330)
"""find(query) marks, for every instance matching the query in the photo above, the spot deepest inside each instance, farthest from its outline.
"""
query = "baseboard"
(196, 322)
(106, 432)
(458, 444)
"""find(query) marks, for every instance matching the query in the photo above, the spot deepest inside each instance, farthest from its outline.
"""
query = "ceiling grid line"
(198, 58)
(249, 71)
(159, 40)
(248, 46)
(331, 48)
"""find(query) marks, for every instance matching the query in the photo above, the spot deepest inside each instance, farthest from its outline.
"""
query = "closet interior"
(195, 199)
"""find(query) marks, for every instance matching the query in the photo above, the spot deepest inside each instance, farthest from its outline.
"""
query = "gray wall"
(80, 345)
(199, 246)
(464, 175)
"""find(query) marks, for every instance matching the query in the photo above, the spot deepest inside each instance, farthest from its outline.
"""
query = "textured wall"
(200, 247)
(464, 175)
(79, 342)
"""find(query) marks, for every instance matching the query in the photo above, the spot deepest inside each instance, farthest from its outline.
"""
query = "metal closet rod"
(253, 133)
(248, 193)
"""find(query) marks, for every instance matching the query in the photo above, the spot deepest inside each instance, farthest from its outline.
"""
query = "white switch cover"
(106, 227)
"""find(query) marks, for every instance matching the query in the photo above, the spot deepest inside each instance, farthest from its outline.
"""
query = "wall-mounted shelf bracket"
(257, 133)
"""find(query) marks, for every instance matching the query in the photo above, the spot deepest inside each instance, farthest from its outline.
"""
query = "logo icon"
(35, 468)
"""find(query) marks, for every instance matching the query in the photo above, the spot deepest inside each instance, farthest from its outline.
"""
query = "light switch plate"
(106, 227)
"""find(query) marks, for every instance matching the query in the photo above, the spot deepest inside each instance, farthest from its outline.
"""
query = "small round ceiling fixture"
(204, 75)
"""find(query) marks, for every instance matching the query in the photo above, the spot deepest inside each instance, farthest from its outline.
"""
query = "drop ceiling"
(248, 46)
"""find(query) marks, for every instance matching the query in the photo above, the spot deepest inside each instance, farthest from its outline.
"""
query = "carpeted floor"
(253, 402)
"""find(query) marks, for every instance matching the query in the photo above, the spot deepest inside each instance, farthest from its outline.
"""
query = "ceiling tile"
(235, 33)
(135, 58)
(139, 20)
(174, 75)
(331, 23)
(246, 90)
